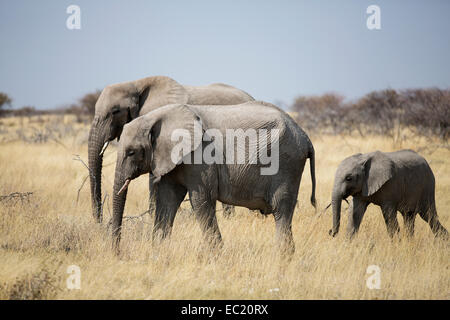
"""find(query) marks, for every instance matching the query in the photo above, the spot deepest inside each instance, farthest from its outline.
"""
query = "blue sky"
(275, 50)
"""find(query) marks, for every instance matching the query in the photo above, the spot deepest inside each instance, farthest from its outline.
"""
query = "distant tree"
(5, 100)
(87, 102)
(380, 111)
(428, 111)
(316, 112)
(25, 111)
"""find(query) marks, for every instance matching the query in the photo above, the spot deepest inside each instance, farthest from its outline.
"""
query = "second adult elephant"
(120, 103)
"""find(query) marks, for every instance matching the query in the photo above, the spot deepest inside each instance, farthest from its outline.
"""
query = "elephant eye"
(115, 110)
(348, 178)
(130, 153)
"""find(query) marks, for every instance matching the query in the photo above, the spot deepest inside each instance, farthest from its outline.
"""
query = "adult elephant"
(120, 103)
(223, 156)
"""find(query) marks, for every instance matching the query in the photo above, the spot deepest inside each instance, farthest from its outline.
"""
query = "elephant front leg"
(168, 197)
(152, 196)
(205, 211)
(356, 213)
(390, 218)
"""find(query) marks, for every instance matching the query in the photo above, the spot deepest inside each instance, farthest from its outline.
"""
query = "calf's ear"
(378, 169)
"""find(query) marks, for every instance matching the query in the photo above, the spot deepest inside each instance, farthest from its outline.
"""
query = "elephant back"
(159, 91)
(217, 94)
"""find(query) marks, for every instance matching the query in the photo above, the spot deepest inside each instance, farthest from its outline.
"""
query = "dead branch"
(15, 197)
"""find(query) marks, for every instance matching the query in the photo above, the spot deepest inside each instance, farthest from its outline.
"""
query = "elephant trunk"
(119, 198)
(336, 205)
(95, 145)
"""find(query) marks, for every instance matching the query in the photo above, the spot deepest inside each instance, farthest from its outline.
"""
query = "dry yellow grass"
(41, 237)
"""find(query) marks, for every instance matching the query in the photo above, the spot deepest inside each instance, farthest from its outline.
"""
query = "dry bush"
(35, 286)
(421, 112)
(83, 109)
(88, 101)
(428, 112)
(80, 114)
(25, 111)
(379, 111)
(320, 112)
(39, 129)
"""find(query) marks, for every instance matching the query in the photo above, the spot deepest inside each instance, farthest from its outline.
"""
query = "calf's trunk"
(336, 205)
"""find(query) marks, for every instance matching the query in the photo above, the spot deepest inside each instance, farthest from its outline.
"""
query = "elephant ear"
(378, 169)
(175, 134)
(155, 92)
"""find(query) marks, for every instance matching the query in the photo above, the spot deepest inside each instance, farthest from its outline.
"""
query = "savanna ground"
(43, 233)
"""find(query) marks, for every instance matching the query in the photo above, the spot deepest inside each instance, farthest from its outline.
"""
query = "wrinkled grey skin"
(120, 103)
(395, 181)
(145, 146)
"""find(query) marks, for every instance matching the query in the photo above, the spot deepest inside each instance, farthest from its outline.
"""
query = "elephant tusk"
(104, 148)
(329, 205)
(125, 185)
(325, 210)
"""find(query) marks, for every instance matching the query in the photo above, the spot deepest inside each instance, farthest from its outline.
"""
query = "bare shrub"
(25, 111)
(84, 109)
(53, 130)
(380, 107)
(88, 101)
(35, 135)
(79, 113)
(380, 112)
(317, 113)
(35, 286)
(426, 112)
(53, 233)
(16, 197)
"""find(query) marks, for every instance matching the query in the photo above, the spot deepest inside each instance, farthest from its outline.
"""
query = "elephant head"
(359, 175)
(117, 105)
(146, 146)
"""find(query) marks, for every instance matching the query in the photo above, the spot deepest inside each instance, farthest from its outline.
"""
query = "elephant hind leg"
(283, 224)
(409, 219)
(205, 211)
(431, 217)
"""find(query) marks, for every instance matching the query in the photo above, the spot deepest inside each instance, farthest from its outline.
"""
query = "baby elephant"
(395, 181)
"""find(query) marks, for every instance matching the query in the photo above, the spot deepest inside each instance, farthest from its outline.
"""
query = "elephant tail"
(312, 168)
